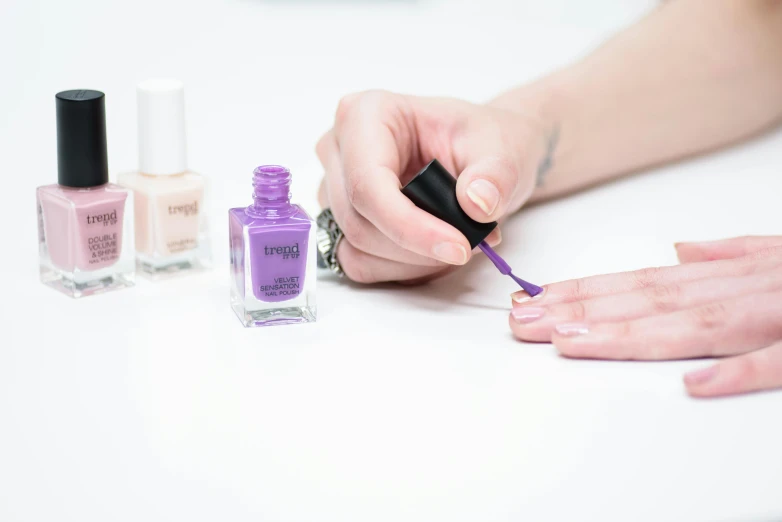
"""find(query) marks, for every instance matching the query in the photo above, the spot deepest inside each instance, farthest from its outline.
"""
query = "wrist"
(543, 105)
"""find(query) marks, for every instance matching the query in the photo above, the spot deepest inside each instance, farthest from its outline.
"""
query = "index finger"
(374, 147)
(596, 286)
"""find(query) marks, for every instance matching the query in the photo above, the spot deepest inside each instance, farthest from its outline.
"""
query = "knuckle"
(506, 167)
(745, 370)
(748, 265)
(625, 334)
(627, 329)
(322, 146)
(358, 273)
(357, 100)
(352, 227)
(323, 193)
(709, 317)
(345, 105)
(577, 311)
(758, 261)
(400, 235)
(579, 290)
(759, 256)
(663, 298)
(646, 277)
(375, 97)
(354, 269)
(354, 187)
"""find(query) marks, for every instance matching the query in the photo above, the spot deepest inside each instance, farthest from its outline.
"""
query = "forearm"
(692, 76)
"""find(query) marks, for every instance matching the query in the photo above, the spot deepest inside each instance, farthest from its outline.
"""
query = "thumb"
(725, 248)
(491, 183)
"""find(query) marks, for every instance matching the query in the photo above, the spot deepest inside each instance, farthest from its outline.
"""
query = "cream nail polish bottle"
(171, 231)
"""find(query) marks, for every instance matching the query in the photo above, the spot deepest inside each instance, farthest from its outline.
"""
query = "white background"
(398, 404)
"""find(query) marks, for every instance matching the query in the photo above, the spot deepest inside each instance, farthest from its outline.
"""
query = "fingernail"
(484, 194)
(572, 329)
(495, 238)
(527, 314)
(701, 376)
(452, 253)
(522, 297)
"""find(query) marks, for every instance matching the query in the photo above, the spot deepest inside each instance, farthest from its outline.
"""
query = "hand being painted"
(724, 300)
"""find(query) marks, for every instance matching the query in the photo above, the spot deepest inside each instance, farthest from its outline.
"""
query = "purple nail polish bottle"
(273, 259)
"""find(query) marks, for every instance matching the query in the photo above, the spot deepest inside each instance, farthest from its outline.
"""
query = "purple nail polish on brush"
(273, 261)
(505, 269)
(434, 190)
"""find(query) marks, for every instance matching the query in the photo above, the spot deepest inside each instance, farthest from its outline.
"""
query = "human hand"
(380, 140)
(724, 300)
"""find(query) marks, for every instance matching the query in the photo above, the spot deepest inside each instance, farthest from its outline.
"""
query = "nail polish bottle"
(171, 226)
(273, 254)
(433, 190)
(85, 223)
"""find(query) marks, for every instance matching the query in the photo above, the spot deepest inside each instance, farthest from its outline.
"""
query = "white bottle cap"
(162, 144)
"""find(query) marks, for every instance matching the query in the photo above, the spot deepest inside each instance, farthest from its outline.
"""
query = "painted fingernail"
(484, 194)
(527, 314)
(522, 297)
(452, 253)
(701, 376)
(572, 329)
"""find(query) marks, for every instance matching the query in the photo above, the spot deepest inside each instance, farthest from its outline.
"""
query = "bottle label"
(179, 222)
(81, 229)
(278, 260)
(100, 234)
(168, 223)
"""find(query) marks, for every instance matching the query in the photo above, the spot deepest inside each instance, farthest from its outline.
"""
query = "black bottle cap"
(434, 190)
(82, 158)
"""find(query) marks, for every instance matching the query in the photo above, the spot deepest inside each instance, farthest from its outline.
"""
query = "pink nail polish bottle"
(85, 223)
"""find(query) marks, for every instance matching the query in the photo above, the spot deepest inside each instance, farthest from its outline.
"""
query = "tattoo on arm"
(548, 159)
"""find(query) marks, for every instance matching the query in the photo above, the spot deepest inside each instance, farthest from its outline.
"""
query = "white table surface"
(398, 404)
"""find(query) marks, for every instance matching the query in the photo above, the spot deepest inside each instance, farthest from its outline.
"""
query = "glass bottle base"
(273, 316)
(159, 269)
(71, 285)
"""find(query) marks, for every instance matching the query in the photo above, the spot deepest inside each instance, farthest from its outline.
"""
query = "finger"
(366, 268)
(423, 280)
(323, 195)
(487, 186)
(375, 140)
(492, 176)
(535, 323)
(717, 329)
(357, 229)
(493, 239)
(590, 287)
(755, 371)
(725, 248)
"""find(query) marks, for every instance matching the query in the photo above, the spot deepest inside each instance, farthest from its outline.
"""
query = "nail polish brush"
(434, 190)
